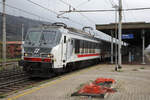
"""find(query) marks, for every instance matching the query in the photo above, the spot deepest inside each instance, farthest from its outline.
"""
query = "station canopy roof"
(134, 28)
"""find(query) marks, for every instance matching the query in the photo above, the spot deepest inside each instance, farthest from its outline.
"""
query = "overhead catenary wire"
(43, 7)
(52, 11)
(33, 14)
(91, 21)
(109, 10)
(74, 10)
(24, 11)
(126, 4)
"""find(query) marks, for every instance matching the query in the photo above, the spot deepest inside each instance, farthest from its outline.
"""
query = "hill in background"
(13, 26)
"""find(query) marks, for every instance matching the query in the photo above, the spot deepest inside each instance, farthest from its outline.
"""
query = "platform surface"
(133, 83)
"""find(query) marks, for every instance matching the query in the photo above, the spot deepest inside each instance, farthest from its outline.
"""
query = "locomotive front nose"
(37, 65)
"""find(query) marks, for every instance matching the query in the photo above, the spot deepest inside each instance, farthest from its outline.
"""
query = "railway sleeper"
(12, 82)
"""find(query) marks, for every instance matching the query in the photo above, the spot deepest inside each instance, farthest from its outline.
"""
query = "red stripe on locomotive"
(38, 59)
(87, 55)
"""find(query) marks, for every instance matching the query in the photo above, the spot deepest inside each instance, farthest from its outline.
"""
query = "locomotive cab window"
(49, 36)
(33, 36)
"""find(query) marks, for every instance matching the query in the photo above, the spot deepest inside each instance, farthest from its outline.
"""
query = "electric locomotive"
(52, 49)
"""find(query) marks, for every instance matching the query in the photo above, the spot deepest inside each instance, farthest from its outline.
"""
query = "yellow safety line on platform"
(51, 83)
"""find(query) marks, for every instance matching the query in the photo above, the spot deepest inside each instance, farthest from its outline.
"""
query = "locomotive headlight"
(25, 54)
(49, 55)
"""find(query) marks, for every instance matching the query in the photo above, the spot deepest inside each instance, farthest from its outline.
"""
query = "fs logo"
(36, 50)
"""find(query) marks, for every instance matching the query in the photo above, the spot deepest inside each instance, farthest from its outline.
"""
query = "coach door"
(64, 49)
(67, 48)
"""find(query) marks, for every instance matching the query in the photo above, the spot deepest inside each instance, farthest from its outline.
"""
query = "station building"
(139, 37)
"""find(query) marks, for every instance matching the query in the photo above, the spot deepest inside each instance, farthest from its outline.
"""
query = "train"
(56, 48)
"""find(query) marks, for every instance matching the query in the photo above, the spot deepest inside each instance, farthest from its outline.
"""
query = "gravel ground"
(132, 84)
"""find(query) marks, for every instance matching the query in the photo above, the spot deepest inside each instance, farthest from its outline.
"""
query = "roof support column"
(112, 48)
(143, 49)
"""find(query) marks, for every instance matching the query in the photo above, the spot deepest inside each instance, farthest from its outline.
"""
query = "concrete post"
(143, 54)
(129, 56)
(116, 43)
(120, 35)
(4, 35)
(112, 48)
(22, 49)
(116, 53)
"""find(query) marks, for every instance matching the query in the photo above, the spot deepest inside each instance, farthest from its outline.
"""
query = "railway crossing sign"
(127, 36)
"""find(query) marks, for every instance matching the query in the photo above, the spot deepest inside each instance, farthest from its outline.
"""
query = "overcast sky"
(80, 20)
(93, 18)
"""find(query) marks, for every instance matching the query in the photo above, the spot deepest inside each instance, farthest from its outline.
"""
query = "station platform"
(132, 83)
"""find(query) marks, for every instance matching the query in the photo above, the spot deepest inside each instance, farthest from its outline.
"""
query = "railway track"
(13, 81)
(9, 63)
(11, 78)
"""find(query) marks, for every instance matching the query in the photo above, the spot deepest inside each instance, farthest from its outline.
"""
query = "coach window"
(88, 46)
(105, 46)
(82, 46)
(91, 47)
(89, 51)
(94, 47)
(99, 46)
(77, 46)
(85, 46)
